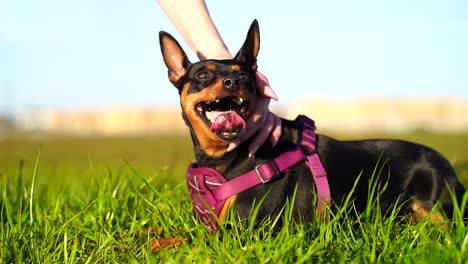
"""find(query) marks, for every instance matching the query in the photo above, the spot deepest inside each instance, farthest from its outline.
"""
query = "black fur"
(411, 171)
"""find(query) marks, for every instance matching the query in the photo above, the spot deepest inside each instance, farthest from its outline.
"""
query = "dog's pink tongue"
(226, 121)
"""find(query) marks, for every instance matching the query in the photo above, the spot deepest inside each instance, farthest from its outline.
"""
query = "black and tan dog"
(216, 97)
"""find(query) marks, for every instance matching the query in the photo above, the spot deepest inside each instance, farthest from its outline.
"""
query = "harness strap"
(309, 139)
(261, 174)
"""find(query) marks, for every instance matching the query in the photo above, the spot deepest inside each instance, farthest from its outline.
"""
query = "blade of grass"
(65, 246)
(256, 210)
(33, 185)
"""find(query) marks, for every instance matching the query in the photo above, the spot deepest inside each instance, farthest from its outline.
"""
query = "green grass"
(90, 200)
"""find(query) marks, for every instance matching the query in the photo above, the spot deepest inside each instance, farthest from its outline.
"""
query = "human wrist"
(216, 52)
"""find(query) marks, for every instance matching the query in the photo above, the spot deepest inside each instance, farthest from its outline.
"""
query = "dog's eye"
(204, 75)
(243, 76)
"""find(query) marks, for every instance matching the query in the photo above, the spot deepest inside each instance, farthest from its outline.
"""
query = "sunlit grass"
(107, 223)
(107, 200)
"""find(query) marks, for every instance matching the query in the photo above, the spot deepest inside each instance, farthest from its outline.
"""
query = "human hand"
(267, 124)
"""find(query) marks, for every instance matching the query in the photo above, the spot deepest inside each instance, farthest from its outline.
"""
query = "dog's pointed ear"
(174, 57)
(249, 50)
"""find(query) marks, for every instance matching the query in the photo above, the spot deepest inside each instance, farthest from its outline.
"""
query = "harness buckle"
(307, 122)
(276, 171)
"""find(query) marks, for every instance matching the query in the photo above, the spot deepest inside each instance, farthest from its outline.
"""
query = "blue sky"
(71, 54)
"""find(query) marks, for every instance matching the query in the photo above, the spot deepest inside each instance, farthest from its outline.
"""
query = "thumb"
(263, 87)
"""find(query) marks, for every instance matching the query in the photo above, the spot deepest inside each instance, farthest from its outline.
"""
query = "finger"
(259, 114)
(254, 123)
(264, 88)
(276, 131)
(233, 145)
(262, 135)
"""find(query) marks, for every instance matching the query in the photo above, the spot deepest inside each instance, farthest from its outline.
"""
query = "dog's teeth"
(208, 115)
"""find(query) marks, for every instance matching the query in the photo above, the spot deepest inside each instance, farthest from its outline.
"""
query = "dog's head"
(216, 96)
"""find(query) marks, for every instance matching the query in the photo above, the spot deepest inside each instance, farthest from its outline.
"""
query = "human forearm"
(192, 20)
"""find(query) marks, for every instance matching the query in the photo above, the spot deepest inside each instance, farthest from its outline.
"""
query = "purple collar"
(212, 195)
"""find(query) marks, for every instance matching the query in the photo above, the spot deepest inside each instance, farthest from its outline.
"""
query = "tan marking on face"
(235, 67)
(419, 212)
(211, 66)
(209, 142)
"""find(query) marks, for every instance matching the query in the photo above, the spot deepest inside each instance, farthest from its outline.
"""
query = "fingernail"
(270, 93)
(274, 141)
(253, 150)
(232, 146)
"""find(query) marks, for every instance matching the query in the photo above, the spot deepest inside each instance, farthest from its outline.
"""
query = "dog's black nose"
(228, 83)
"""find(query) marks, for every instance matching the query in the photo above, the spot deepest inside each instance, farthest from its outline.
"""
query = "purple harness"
(211, 193)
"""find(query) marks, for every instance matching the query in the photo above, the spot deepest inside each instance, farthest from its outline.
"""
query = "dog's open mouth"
(225, 116)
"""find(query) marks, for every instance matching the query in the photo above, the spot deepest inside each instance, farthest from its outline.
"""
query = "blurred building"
(338, 114)
(105, 121)
(383, 114)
